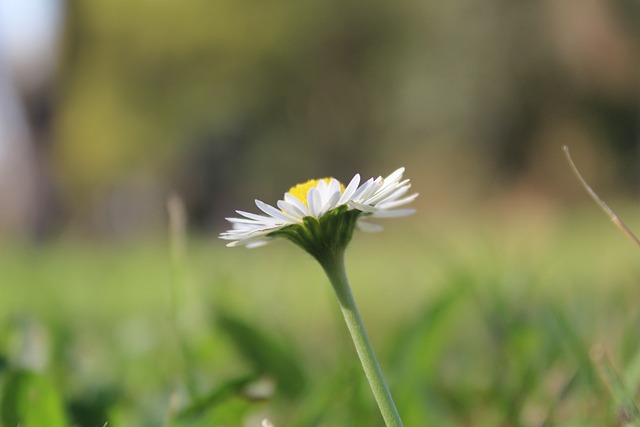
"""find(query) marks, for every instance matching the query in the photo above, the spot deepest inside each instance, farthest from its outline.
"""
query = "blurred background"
(483, 307)
(106, 107)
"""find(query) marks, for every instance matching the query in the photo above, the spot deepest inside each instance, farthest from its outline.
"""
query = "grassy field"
(502, 320)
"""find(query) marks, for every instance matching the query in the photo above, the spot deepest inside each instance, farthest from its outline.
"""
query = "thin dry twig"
(612, 215)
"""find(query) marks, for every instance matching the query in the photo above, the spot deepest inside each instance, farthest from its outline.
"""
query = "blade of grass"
(576, 346)
(628, 410)
(217, 396)
(177, 241)
(265, 354)
(612, 215)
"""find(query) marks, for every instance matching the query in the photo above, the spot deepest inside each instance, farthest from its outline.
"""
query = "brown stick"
(612, 215)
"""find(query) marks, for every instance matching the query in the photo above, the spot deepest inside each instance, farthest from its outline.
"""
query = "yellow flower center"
(301, 190)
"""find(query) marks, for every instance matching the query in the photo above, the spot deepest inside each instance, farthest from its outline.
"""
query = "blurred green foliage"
(29, 399)
(143, 83)
(477, 321)
(214, 99)
(491, 322)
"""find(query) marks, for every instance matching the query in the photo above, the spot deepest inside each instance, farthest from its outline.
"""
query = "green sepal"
(323, 237)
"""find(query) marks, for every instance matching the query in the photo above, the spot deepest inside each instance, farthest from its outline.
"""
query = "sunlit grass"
(491, 318)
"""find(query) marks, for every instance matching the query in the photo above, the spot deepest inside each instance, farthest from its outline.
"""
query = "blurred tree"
(218, 98)
(144, 82)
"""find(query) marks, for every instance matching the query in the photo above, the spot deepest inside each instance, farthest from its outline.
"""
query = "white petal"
(290, 209)
(331, 203)
(334, 188)
(395, 176)
(386, 189)
(396, 203)
(314, 201)
(393, 213)
(371, 190)
(357, 195)
(256, 217)
(270, 210)
(389, 194)
(290, 198)
(367, 226)
(350, 190)
(258, 243)
(246, 221)
(322, 188)
(362, 207)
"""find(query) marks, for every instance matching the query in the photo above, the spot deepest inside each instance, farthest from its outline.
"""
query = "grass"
(484, 322)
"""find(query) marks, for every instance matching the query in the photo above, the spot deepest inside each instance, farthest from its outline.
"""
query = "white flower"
(315, 199)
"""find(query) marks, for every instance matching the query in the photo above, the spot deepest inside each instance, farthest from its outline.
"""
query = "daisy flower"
(319, 199)
(320, 216)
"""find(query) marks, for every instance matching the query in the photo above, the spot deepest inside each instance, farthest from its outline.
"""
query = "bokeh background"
(484, 306)
(108, 106)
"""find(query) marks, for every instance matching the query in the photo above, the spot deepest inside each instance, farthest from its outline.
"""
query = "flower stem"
(335, 270)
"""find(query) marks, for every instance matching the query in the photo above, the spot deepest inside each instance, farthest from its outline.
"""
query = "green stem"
(335, 270)
(177, 243)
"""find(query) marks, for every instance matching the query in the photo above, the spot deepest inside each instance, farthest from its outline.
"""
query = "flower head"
(323, 212)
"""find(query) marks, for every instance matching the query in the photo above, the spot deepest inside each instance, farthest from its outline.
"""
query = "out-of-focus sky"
(107, 106)
(29, 31)
(29, 34)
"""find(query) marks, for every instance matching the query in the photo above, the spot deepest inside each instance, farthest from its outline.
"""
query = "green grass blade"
(265, 354)
(217, 396)
(628, 410)
(29, 399)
